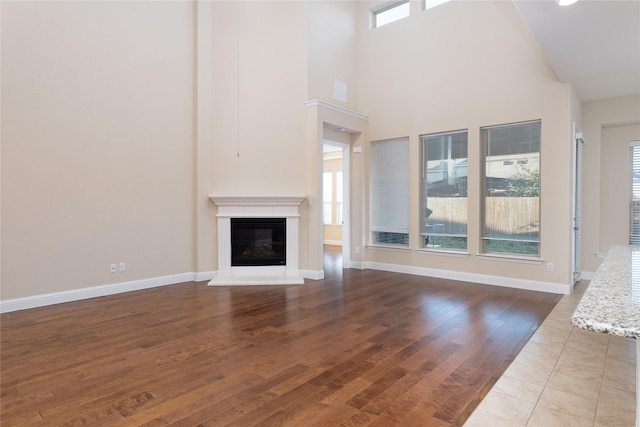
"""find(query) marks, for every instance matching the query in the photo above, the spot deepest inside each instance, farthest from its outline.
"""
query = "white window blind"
(389, 212)
(634, 194)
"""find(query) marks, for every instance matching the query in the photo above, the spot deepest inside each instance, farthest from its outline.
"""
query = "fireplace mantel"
(257, 207)
(257, 201)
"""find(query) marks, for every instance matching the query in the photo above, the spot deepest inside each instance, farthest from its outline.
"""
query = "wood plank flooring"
(357, 348)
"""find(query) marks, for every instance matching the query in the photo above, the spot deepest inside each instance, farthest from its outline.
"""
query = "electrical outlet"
(123, 267)
(549, 266)
(357, 249)
(112, 268)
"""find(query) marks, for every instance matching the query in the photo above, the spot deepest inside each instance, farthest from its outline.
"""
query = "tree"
(525, 182)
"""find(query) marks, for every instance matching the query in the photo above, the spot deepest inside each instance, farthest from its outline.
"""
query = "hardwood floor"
(360, 347)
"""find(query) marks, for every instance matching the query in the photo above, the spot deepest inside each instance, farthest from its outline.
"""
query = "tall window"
(634, 194)
(511, 222)
(444, 184)
(327, 197)
(339, 201)
(389, 211)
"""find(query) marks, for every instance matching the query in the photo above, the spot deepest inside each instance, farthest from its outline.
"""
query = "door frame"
(576, 201)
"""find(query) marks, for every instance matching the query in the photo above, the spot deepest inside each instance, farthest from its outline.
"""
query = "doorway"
(335, 203)
(337, 124)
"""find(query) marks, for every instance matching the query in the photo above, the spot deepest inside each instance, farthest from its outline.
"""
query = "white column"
(224, 247)
(292, 247)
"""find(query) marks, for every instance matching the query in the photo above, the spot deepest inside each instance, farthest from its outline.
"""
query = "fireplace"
(258, 241)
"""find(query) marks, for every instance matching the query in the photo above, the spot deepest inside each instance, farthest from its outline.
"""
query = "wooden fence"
(508, 215)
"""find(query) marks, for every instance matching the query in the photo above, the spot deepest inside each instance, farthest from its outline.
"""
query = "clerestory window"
(389, 12)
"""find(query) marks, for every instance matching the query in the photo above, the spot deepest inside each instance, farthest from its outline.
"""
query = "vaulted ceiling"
(595, 44)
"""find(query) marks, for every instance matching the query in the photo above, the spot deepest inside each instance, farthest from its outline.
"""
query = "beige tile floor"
(565, 376)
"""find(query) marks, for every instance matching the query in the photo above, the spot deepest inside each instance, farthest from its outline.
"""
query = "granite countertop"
(611, 303)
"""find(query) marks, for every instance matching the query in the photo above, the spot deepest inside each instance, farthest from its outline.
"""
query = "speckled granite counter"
(611, 303)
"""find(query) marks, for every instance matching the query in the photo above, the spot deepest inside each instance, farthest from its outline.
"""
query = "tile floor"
(565, 376)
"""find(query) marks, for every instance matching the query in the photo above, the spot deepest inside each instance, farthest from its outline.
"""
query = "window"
(444, 186)
(511, 221)
(339, 201)
(389, 209)
(634, 194)
(327, 198)
(390, 12)
(428, 4)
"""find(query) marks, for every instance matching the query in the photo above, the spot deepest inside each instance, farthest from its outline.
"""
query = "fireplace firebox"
(258, 241)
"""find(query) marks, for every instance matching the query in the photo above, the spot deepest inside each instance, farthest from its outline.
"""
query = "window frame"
(424, 196)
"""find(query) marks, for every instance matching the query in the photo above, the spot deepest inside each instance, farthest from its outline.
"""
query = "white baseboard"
(312, 274)
(532, 285)
(116, 288)
(358, 265)
(92, 292)
(204, 276)
(332, 242)
(42, 300)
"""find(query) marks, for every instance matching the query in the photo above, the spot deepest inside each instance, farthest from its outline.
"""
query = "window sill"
(444, 252)
(389, 247)
(510, 258)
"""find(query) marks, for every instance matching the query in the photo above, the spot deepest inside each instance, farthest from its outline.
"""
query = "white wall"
(97, 140)
(332, 50)
(608, 125)
(614, 183)
(261, 81)
(465, 65)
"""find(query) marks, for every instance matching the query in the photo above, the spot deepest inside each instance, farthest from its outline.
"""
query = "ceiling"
(595, 44)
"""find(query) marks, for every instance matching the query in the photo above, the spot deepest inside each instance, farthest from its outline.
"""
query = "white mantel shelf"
(221, 201)
(257, 207)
